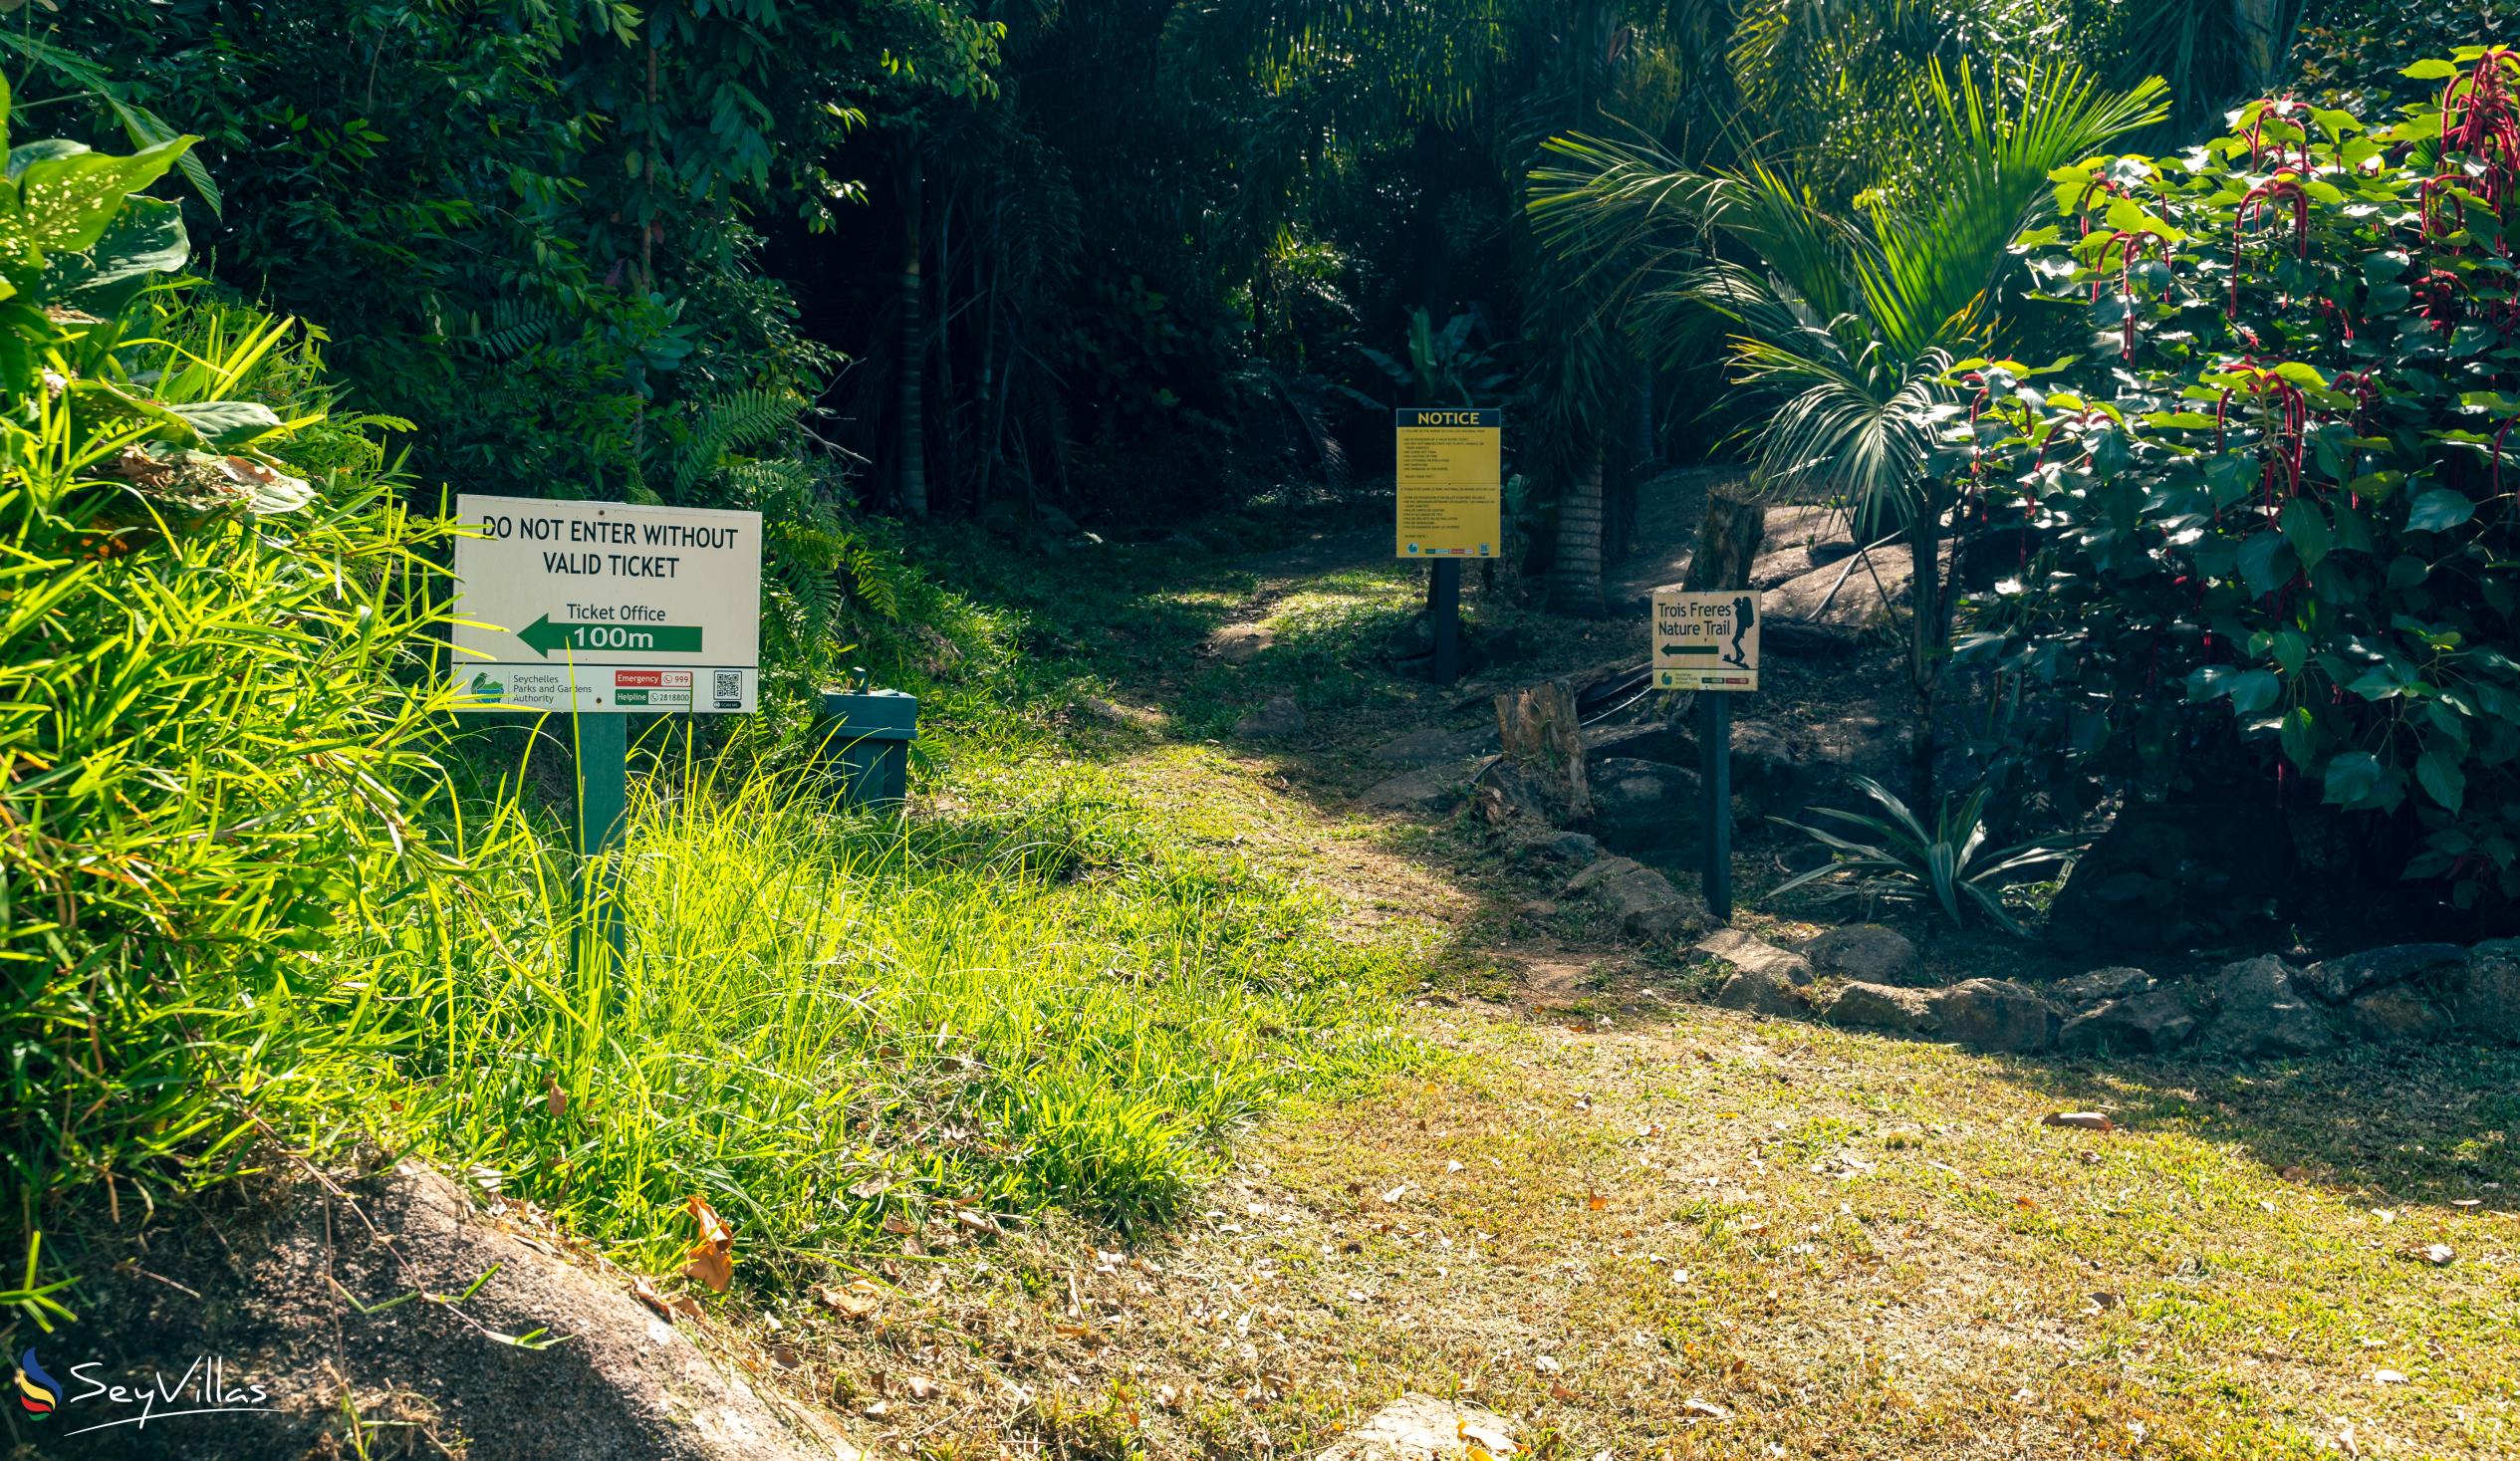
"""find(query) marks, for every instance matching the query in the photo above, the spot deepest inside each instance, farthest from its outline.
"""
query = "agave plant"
(1898, 858)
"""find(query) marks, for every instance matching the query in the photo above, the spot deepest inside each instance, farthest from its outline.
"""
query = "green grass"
(1035, 998)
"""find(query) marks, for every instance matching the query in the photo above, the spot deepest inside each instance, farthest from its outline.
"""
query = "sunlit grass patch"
(826, 1019)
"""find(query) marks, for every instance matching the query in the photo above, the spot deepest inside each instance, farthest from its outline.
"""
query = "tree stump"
(1539, 733)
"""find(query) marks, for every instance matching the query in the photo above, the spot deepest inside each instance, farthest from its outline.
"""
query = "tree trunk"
(949, 460)
(913, 438)
(1576, 578)
(1729, 536)
(1930, 627)
(2264, 37)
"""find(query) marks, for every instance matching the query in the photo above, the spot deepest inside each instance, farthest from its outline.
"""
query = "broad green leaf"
(62, 205)
(227, 424)
(2355, 779)
(2307, 529)
(2262, 564)
(2438, 773)
(2438, 511)
(146, 237)
(2254, 690)
(2290, 648)
(2430, 68)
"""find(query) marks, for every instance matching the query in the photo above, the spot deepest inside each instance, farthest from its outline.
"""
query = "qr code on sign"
(730, 687)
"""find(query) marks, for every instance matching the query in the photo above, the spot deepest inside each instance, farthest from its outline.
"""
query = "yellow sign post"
(1451, 472)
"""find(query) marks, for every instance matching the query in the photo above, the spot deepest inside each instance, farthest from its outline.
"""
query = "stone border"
(2251, 1009)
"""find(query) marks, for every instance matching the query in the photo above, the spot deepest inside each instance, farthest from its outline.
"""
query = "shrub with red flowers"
(2275, 499)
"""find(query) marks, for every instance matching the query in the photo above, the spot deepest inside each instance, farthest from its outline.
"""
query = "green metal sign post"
(1708, 642)
(602, 807)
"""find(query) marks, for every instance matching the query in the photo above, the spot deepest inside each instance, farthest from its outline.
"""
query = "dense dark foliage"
(2276, 488)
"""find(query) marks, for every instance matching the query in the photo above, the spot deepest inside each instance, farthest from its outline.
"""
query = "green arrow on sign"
(1667, 649)
(543, 637)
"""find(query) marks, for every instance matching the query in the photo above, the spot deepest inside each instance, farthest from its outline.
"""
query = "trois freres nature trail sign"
(1448, 473)
(1709, 641)
(600, 610)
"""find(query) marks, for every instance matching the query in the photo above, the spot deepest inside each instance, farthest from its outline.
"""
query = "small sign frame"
(1707, 641)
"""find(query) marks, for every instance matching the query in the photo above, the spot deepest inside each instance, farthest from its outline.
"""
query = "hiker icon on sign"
(1744, 611)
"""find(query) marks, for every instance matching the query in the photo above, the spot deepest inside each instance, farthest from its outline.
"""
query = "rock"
(1277, 718)
(2396, 1012)
(2116, 982)
(1644, 807)
(1643, 901)
(1995, 1014)
(2152, 1022)
(1641, 741)
(2484, 994)
(1865, 951)
(1749, 955)
(1426, 792)
(621, 1382)
(1240, 643)
(1554, 843)
(2338, 980)
(1760, 992)
(1880, 1006)
(2261, 1013)
(1412, 638)
(1509, 799)
(1842, 601)
(1419, 1427)
(1433, 744)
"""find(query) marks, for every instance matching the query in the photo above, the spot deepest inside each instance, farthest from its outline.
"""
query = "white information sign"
(1705, 642)
(605, 606)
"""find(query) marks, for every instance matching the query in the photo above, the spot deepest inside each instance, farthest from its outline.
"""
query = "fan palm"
(1850, 324)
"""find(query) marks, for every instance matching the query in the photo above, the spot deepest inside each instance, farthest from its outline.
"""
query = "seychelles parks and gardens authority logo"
(204, 1387)
(38, 1392)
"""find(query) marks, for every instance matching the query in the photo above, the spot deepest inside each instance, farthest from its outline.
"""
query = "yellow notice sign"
(1452, 478)
(1705, 642)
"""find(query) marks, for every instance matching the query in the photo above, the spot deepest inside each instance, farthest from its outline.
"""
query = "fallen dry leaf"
(2438, 1255)
(712, 1259)
(2079, 1120)
(860, 1299)
(677, 1305)
(2388, 1377)
(920, 1386)
(1704, 1409)
(1597, 1202)
(555, 1100)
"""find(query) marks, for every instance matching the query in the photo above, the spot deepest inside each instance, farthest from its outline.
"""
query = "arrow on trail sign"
(1688, 648)
(543, 637)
